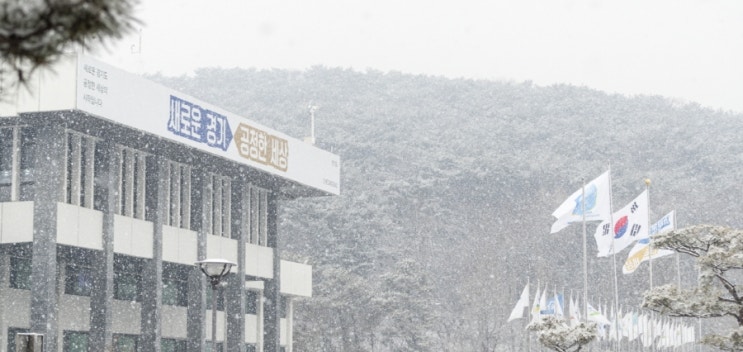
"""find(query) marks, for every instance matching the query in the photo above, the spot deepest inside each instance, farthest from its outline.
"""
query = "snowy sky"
(686, 49)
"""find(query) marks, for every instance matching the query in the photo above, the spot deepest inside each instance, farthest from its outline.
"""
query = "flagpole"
(650, 257)
(650, 247)
(614, 257)
(585, 247)
(678, 255)
(528, 336)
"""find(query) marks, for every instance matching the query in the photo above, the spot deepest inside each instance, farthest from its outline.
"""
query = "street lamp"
(215, 270)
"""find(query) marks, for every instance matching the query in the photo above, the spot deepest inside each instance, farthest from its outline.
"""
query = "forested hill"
(448, 186)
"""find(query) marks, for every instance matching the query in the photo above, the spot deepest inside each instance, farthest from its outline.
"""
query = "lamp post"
(215, 270)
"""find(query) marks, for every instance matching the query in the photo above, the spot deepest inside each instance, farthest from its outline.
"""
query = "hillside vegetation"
(447, 190)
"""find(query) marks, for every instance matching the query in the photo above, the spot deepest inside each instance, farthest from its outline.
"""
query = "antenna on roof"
(311, 138)
(137, 48)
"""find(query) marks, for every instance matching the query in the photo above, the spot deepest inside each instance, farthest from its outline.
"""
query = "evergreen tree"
(719, 255)
(35, 33)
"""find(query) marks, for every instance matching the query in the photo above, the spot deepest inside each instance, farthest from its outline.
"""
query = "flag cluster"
(630, 326)
(617, 230)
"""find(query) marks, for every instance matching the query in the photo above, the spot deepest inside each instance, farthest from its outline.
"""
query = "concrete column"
(289, 325)
(200, 203)
(4, 284)
(272, 289)
(152, 278)
(259, 315)
(101, 297)
(48, 157)
(61, 274)
(235, 295)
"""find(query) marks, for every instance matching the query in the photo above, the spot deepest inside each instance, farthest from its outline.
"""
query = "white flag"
(597, 204)
(574, 312)
(596, 316)
(558, 306)
(518, 310)
(642, 252)
(535, 308)
(630, 223)
(543, 303)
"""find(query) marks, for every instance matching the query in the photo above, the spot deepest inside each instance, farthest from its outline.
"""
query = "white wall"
(79, 227)
(16, 222)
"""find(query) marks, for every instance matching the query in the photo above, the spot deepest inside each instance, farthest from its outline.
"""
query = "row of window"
(79, 280)
(127, 282)
(84, 184)
(77, 341)
(16, 163)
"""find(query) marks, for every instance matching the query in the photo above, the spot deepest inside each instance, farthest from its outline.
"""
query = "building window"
(220, 298)
(175, 286)
(78, 280)
(258, 228)
(249, 347)
(125, 343)
(132, 191)
(20, 273)
(127, 279)
(209, 348)
(7, 153)
(126, 286)
(79, 169)
(178, 195)
(172, 345)
(221, 209)
(75, 341)
(16, 163)
(251, 302)
(11, 336)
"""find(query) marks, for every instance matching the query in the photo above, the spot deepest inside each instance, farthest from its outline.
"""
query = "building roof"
(83, 84)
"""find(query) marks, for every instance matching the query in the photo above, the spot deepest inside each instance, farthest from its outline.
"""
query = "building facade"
(111, 187)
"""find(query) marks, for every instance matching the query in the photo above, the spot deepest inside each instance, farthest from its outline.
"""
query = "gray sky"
(686, 49)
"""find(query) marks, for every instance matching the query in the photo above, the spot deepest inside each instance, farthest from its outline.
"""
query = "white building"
(111, 187)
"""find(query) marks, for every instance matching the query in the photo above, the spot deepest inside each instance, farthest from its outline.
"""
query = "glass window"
(221, 199)
(11, 337)
(28, 144)
(126, 286)
(249, 347)
(173, 293)
(127, 278)
(251, 302)
(6, 163)
(80, 167)
(175, 284)
(20, 273)
(16, 163)
(220, 298)
(172, 345)
(75, 341)
(125, 343)
(132, 183)
(178, 193)
(78, 280)
(210, 349)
